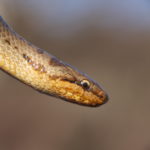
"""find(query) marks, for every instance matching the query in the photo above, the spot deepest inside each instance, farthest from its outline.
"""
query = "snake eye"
(85, 84)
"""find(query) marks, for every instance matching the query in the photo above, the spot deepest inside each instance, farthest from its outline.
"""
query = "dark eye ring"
(85, 84)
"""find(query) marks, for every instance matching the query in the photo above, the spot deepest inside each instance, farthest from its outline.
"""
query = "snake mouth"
(84, 104)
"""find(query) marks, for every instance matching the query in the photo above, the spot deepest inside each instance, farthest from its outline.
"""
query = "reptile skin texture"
(44, 72)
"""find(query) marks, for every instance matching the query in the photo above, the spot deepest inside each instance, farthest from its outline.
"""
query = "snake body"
(44, 72)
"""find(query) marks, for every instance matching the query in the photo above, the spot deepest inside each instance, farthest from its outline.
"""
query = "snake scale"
(44, 72)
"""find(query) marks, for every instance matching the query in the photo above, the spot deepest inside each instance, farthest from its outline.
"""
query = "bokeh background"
(109, 40)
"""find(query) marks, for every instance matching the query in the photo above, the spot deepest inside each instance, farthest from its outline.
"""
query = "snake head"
(77, 87)
(87, 92)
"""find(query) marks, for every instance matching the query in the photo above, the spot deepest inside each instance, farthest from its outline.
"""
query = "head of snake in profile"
(77, 87)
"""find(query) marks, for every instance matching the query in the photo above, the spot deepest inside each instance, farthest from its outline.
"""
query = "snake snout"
(103, 96)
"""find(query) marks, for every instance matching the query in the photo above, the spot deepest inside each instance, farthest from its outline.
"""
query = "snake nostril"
(101, 96)
(104, 96)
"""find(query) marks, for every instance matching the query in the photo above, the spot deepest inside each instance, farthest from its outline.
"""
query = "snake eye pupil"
(85, 84)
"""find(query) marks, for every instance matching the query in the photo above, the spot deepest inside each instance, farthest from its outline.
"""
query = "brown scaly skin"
(44, 72)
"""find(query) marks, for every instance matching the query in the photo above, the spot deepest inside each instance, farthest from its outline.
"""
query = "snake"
(44, 72)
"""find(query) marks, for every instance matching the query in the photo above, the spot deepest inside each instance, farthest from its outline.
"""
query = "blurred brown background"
(109, 40)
